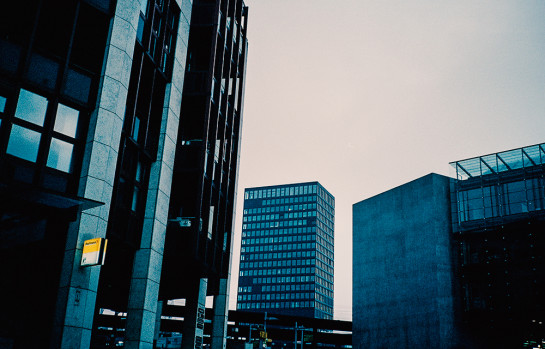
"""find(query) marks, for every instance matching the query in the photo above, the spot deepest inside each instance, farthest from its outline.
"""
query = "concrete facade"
(221, 311)
(78, 287)
(143, 307)
(193, 329)
(402, 268)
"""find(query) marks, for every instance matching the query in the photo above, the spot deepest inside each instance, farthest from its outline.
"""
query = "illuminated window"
(60, 155)
(24, 143)
(31, 107)
(66, 121)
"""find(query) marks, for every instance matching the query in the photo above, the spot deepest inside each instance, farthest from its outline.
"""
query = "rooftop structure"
(504, 161)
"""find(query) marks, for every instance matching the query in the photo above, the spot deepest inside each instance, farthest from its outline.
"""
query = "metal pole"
(295, 343)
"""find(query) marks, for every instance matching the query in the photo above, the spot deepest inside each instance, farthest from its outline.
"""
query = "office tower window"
(49, 49)
(29, 132)
(157, 30)
(150, 73)
(23, 143)
(31, 107)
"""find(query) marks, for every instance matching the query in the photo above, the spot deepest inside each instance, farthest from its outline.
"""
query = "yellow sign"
(263, 334)
(94, 251)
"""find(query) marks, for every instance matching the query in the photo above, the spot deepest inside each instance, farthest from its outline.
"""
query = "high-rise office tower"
(119, 119)
(286, 258)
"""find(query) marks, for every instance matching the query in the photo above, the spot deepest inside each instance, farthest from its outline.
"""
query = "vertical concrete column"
(221, 311)
(78, 286)
(143, 298)
(144, 291)
(195, 307)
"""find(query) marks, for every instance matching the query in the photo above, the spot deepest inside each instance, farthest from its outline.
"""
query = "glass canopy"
(500, 162)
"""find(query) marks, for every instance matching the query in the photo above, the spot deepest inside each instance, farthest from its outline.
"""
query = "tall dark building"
(498, 216)
(459, 262)
(286, 258)
(118, 120)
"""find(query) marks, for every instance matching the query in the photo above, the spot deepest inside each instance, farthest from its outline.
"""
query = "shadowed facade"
(98, 124)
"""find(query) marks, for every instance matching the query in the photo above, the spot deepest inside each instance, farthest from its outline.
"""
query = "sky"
(364, 96)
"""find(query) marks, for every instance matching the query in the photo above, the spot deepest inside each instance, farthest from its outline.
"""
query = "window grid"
(287, 241)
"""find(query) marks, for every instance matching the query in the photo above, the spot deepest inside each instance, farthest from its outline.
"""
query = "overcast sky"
(364, 96)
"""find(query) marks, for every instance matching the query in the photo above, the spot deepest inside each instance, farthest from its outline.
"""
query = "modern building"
(498, 225)
(402, 267)
(286, 258)
(118, 120)
(454, 262)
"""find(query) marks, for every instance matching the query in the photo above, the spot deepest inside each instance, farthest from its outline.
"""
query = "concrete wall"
(402, 271)
(78, 286)
(143, 306)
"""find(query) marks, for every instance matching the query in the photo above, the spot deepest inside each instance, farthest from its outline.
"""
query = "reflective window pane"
(2, 103)
(60, 155)
(31, 107)
(140, 29)
(66, 121)
(136, 128)
(23, 143)
(135, 195)
(139, 172)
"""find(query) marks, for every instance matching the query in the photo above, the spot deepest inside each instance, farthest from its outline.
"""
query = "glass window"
(60, 155)
(135, 195)
(66, 121)
(31, 107)
(23, 143)
(136, 129)
(2, 103)
(140, 30)
(139, 172)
